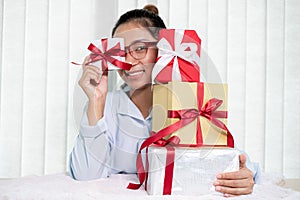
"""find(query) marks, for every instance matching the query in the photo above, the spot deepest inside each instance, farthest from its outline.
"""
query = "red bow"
(209, 111)
(106, 55)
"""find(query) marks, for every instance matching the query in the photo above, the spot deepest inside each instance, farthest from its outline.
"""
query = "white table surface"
(61, 186)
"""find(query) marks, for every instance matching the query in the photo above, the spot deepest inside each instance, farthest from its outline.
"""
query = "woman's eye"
(140, 48)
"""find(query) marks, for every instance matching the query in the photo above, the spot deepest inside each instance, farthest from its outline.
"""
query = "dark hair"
(152, 8)
(143, 17)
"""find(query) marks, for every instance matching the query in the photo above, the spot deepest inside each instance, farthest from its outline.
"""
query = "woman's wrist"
(95, 111)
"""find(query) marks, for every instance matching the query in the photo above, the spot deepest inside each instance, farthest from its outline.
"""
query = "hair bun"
(151, 8)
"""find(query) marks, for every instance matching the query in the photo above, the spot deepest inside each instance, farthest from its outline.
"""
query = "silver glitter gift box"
(195, 169)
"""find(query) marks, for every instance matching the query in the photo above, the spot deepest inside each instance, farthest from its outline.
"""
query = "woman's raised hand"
(94, 84)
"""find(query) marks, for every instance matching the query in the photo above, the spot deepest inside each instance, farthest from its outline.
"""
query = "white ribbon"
(111, 42)
(166, 54)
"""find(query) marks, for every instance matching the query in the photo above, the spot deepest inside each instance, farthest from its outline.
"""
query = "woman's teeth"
(134, 73)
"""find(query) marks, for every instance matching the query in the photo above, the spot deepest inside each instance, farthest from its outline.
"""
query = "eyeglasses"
(138, 50)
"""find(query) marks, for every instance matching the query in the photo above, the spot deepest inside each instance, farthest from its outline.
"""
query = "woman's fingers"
(246, 182)
(88, 75)
(92, 68)
(233, 191)
(85, 61)
(102, 86)
(241, 174)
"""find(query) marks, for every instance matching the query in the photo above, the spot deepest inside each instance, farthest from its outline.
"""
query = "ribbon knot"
(208, 111)
(174, 140)
(106, 55)
(191, 113)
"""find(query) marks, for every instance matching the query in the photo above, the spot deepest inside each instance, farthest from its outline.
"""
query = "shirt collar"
(127, 107)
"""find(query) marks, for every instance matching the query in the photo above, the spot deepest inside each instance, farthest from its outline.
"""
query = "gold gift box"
(184, 95)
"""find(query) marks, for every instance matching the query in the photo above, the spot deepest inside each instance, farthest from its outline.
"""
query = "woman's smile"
(134, 73)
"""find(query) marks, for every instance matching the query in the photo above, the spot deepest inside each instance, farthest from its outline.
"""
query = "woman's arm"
(90, 157)
(94, 83)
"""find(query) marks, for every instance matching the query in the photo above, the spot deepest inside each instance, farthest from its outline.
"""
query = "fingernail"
(218, 188)
(226, 195)
(216, 183)
(219, 176)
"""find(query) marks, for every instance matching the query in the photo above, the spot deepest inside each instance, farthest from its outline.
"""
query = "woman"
(116, 123)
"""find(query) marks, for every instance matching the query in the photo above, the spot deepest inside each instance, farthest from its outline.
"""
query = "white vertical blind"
(217, 41)
(236, 74)
(57, 86)
(291, 126)
(34, 87)
(198, 17)
(253, 45)
(274, 85)
(255, 79)
(163, 8)
(124, 6)
(12, 70)
(178, 14)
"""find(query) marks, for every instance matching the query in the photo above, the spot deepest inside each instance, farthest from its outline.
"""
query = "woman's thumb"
(243, 160)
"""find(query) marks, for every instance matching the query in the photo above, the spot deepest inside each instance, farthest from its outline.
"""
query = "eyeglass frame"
(147, 45)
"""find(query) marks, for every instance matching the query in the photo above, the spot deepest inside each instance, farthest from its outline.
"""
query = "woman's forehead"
(132, 32)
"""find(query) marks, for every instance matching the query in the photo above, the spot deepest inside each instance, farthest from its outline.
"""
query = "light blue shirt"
(111, 145)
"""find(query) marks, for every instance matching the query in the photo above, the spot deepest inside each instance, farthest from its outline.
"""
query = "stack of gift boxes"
(190, 143)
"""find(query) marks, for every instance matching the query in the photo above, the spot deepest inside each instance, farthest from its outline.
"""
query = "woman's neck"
(142, 98)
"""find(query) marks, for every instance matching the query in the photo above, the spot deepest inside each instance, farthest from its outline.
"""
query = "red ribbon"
(170, 157)
(189, 72)
(106, 55)
(156, 137)
(186, 116)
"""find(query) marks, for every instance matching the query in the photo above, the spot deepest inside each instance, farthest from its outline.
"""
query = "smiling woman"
(115, 124)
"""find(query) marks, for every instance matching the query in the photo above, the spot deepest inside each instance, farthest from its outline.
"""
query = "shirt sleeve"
(90, 157)
(254, 167)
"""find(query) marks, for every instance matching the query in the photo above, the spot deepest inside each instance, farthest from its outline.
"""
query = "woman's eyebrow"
(139, 40)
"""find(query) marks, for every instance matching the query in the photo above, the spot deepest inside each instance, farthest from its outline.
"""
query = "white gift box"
(195, 169)
(111, 42)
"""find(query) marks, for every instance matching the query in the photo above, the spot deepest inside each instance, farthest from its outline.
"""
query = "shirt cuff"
(254, 167)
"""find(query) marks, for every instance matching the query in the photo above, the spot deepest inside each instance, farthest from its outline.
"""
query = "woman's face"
(140, 73)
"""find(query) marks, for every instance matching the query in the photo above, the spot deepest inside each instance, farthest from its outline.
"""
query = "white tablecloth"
(62, 186)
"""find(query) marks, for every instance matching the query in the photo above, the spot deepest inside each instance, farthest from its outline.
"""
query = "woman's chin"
(138, 85)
